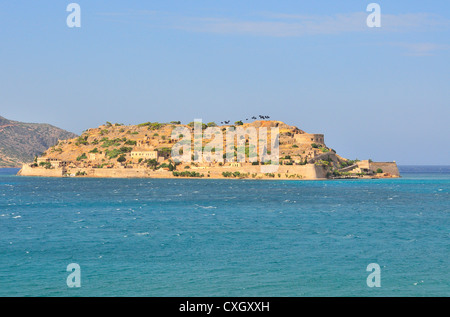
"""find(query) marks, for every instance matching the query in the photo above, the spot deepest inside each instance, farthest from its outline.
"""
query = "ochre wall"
(40, 171)
(306, 138)
(387, 167)
(309, 171)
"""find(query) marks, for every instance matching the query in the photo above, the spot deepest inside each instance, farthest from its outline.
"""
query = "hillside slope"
(145, 150)
(20, 142)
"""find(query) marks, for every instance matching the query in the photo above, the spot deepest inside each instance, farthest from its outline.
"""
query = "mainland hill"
(20, 142)
(145, 150)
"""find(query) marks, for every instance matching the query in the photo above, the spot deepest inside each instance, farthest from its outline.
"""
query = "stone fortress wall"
(309, 138)
(387, 167)
(309, 171)
(296, 149)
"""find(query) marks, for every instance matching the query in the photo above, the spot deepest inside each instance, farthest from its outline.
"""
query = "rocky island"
(145, 151)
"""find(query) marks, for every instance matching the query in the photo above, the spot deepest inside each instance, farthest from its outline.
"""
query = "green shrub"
(192, 124)
(130, 142)
(112, 153)
(114, 142)
(336, 173)
(125, 149)
(82, 140)
(82, 157)
(155, 126)
(152, 163)
(187, 174)
(46, 165)
(165, 151)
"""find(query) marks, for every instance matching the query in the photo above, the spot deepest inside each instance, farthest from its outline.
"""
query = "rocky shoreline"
(258, 150)
(304, 172)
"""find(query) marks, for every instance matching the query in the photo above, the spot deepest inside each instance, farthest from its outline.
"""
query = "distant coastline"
(424, 168)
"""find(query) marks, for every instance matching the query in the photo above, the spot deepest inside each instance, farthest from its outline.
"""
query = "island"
(146, 151)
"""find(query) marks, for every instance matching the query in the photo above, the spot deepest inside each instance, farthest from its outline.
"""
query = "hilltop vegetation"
(145, 150)
(103, 146)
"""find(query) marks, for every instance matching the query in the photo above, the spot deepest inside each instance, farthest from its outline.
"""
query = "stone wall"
(309, 171)
(387, 167)
(27, 170)
(309, 138)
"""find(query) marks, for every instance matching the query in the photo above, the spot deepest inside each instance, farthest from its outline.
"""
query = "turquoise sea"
(151, 237)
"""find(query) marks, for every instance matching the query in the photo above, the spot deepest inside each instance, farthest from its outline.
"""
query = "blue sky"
(380, 93)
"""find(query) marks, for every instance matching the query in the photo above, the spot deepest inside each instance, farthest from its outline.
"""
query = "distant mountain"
(20, 142)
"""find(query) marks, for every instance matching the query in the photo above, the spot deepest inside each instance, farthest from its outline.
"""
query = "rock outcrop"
(145, 150)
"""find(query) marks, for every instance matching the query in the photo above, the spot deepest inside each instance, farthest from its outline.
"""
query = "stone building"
(95, 156)
(55, 163)
(144, 143)
(309, 138)
(144, 154)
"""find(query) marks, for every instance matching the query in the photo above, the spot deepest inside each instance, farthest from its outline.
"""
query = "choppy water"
(148, 237)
